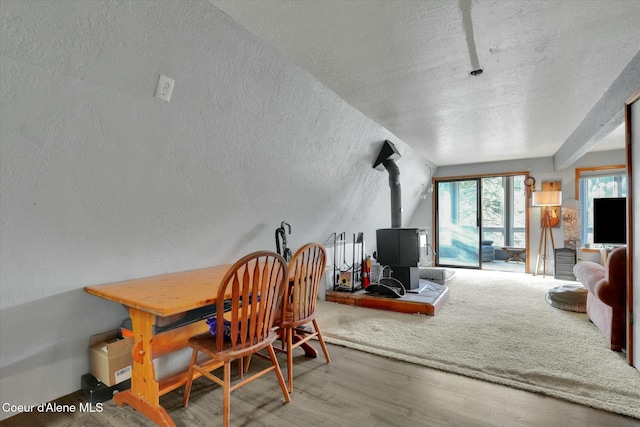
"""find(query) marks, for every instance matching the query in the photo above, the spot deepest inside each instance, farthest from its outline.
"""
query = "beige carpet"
(498, 327)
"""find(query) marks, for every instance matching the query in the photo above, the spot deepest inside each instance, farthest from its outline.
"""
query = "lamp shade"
(546, 198)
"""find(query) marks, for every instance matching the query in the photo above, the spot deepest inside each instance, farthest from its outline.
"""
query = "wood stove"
(399, 248)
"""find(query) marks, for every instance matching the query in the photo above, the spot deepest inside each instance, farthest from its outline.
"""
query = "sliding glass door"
(458, 223)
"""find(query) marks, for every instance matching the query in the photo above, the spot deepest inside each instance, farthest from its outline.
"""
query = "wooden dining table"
(161, 296)
(147, 299)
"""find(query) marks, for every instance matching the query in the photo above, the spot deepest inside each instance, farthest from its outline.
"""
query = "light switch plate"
(165, 87)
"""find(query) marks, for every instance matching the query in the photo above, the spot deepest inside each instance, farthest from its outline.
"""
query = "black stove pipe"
(396, 193)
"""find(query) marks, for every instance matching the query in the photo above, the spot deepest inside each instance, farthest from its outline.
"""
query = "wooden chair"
(255, 286)
(305, 275)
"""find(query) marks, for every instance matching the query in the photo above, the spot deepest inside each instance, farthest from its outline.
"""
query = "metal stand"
(546, 229)
(347, 277)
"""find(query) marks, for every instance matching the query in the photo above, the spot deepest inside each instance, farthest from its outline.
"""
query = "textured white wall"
(101, 182)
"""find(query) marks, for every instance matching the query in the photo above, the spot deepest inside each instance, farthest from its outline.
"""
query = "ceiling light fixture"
(475, 72)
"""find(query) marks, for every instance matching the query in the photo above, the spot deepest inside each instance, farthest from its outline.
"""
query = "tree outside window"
(504, 206)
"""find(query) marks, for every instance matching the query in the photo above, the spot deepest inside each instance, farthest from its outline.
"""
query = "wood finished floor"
(355, 389)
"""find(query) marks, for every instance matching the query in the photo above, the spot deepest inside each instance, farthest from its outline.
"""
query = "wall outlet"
(164, 89)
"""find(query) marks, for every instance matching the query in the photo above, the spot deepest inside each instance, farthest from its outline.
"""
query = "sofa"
(607, 295)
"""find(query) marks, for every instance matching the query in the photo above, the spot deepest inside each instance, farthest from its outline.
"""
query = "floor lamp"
(545, 199)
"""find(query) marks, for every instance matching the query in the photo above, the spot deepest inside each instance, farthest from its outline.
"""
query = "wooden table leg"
(144, 394)
(308, 350)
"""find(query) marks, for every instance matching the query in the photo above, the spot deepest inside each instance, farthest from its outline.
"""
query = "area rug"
(498, 327)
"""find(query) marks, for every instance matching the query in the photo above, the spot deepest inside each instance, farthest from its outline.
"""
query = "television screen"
(610, 221)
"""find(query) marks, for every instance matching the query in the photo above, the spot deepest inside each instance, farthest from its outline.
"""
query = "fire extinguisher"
(366, 269)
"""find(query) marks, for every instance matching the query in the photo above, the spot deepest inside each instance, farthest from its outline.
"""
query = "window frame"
(526, 229)
(587, 172)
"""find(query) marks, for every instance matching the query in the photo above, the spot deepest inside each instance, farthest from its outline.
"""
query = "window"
(593, 183)
(504, 207)
(494, 210)
(469, 210)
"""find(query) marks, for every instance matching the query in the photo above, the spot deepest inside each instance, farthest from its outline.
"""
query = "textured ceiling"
(406, 65)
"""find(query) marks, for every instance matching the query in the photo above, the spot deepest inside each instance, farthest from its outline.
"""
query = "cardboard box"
(96, 392)
(110, 357)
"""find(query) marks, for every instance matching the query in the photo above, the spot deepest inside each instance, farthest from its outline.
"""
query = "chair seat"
(206, 342)
(291, 322)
